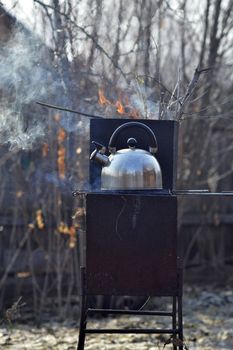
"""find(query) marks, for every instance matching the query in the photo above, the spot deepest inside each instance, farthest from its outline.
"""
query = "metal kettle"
(130, 168)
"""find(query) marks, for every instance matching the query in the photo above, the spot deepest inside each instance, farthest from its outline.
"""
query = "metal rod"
(131, 312)
(69, 110)
(202, 193)
(132, 331)
(190, 191)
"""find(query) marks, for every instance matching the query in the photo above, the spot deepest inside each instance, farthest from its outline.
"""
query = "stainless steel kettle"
(131, 168)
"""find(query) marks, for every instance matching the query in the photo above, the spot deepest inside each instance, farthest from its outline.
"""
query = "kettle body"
(130, 168)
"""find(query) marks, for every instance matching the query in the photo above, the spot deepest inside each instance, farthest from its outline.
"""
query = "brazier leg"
(83, 312)
(82, 326)
(174, 322)
(180, 321)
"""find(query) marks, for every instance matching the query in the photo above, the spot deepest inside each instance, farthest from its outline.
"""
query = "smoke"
(24, 78)
(144, 99)
(147, 108)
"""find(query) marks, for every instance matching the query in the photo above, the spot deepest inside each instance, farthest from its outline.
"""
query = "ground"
(208, 325)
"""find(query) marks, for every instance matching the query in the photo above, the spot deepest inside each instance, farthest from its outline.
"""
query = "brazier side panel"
(131, 244)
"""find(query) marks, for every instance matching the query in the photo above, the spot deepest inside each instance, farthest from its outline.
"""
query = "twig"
(158, 82)
(170, 103)
(178, 94)
(50, 20)
(193, 83)
(69, 110)
(142, 97)
(14, 311)
(190, 89)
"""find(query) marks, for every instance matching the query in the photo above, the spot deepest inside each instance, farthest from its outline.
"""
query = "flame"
(61, 153)
(72, 242)
(45, 150)
(61, 135)
(31, 226)
(102, 99)
(61, 156)
(121, 108)
(19, 194)
(40, 219)
(135, 114)
(57, 117)
(23, 274)
(63, 228)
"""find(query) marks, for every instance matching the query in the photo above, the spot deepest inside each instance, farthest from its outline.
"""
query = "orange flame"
(63, 228)
(40, 219)
(73, 239)
(121, 108)
(102, 99)
(57, 117)
(45, 150)
(61, 135)
(61, 154)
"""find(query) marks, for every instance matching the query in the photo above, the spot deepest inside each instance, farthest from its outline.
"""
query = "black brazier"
(130, 241)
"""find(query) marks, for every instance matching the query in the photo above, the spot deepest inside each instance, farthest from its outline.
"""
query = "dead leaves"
(13, 312)
(175, 341)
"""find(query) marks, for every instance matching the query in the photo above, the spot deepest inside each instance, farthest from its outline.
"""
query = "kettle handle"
(153, 147)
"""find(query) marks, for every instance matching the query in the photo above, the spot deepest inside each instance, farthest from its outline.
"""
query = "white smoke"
(23, 79)
(141, 99)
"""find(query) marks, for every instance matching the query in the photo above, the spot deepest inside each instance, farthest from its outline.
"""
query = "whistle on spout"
(98, 155)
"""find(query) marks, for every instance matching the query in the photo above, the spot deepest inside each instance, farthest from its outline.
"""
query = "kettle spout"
(100, 158)
(98, 154)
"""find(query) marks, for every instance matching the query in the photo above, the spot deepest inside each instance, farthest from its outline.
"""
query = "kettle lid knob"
(132, 142)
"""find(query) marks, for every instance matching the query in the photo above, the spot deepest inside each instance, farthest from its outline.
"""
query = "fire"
(102, 99)
(57, 117)
(19, 194)
(72, 242)
(61, 154)
(63, 228)
(121, 108)
(61, 135)
(40, 219)
(45, 150)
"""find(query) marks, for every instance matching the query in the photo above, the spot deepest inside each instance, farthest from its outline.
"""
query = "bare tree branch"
(88, 35)
(191, 86)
